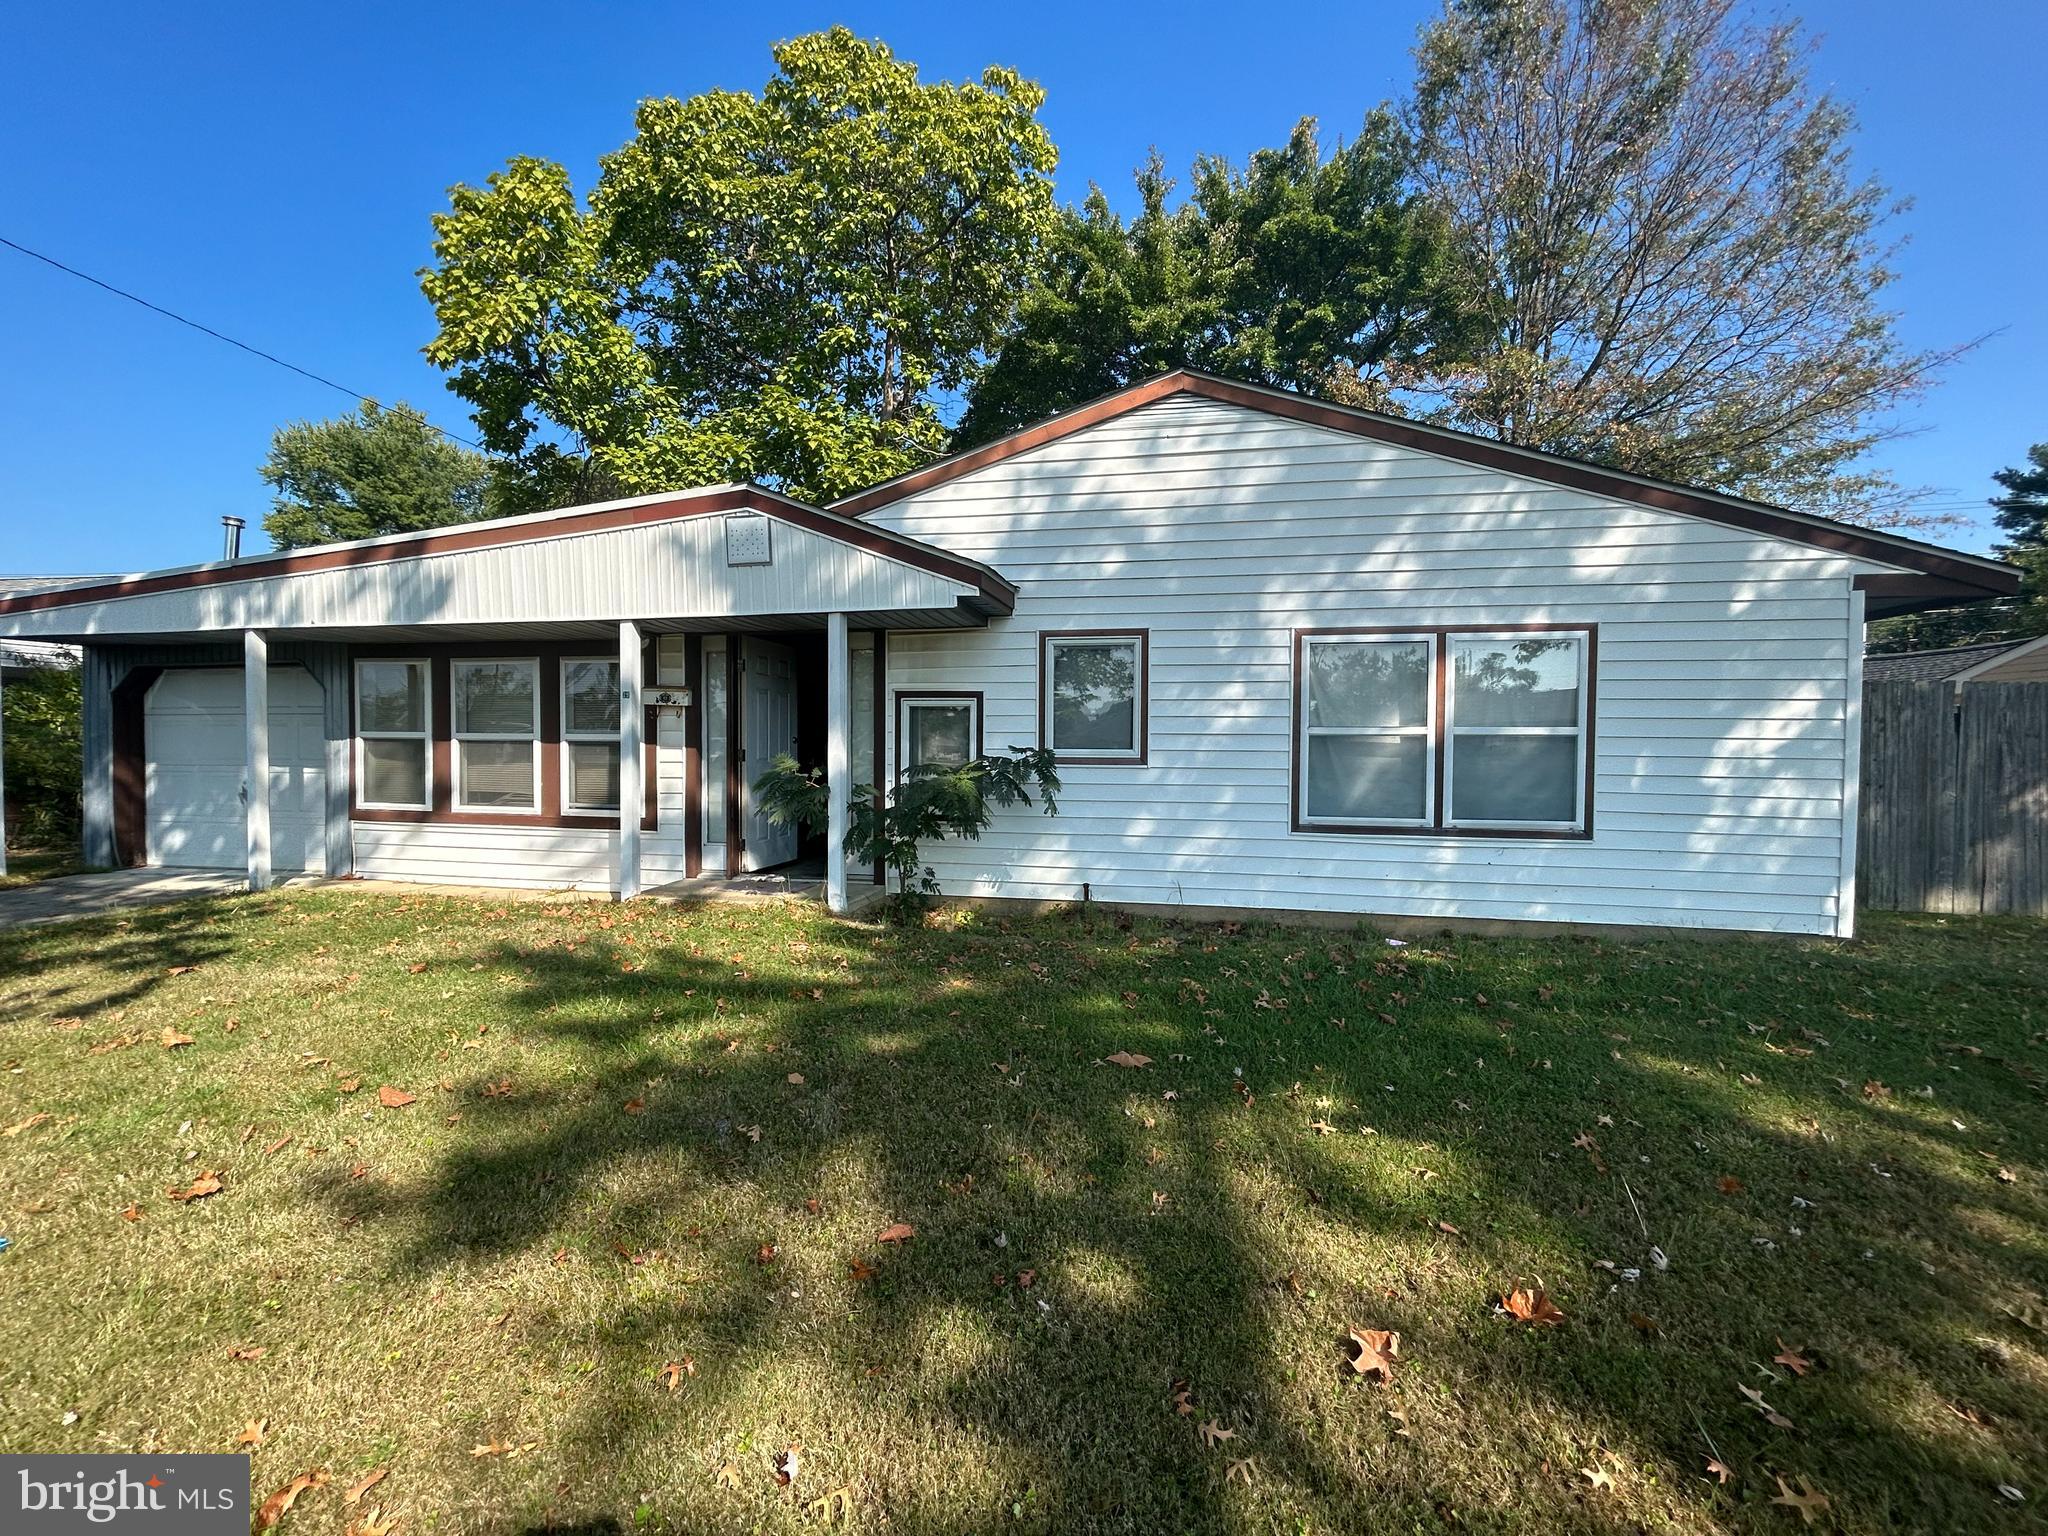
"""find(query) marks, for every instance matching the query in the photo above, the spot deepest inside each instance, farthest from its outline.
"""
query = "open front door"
(767, 729)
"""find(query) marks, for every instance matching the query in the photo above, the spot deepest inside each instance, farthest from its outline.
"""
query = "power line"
(268, 357)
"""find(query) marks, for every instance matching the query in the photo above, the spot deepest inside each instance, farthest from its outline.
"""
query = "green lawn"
(25, 866)
(655, 1134)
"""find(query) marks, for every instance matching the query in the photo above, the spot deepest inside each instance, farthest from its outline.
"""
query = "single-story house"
(1998, 661)
(1290, 655)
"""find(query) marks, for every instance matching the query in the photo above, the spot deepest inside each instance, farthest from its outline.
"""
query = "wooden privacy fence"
(1955, 798)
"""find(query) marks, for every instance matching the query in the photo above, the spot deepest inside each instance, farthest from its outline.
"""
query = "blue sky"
(270, 171)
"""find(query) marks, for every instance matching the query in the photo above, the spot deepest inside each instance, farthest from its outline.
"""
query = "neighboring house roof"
(1956, 663)
(1928, 575)
(992, 592)
(18, 657)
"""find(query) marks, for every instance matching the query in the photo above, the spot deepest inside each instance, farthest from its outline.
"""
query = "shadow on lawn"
(902, 1077)
(142, 948)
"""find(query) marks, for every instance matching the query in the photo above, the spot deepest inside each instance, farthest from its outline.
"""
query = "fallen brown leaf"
(635, 1106)
(896, 1232)
(247, 1352)
(1718, 1470)
(671, 1375)
(863, 1271)
(207, 1183)
(1532, 1307)
(1806, 1501)
(1792, 1359)
(171, 1039)
(279, 1503)
(133, 1213)
(1128, 1059)
(394, 1098)
(1214, 1434)
(29, 1124)
(1728, 1184)
(372, 1522)
(1377, 1350)
(364, 1484)
(253, 1432)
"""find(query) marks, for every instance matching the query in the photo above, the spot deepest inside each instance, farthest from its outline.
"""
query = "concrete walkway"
(51, 901)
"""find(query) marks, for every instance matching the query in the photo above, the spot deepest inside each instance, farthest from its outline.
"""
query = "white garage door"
(193, 744)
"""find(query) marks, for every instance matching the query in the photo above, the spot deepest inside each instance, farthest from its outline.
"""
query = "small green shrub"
(930, 802)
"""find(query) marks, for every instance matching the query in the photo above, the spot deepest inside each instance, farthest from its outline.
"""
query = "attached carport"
(175, 772)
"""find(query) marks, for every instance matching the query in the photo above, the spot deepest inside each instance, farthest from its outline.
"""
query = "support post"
(838, 756)
(3, 771)
(256, 767)
(1852, 770)
(632, 790)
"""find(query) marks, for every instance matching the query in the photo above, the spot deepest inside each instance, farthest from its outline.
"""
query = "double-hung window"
(394, 746)
(1092, 689)
(590, 735)
(1368, 730)
(1450, 730)
(497, 735)
(1515, 707)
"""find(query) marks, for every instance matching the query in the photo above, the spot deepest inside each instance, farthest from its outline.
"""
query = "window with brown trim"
(394, 734)
(590, 734)
(937, 729)
(1471, 730)
(1092, 695)
(497, 734)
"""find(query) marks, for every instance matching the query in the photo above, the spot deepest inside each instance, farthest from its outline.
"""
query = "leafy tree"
(2022, 512)
(43, 739)
(1327, 275)
(370, 472)
(1692, 276)
(932, 801)
(781, 287)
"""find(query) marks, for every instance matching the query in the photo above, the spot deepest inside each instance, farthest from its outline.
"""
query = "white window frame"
(908, 703)
(459, 737)
(1453, 730)
(424, 736)
(571, 736)
(1427, 730)
(1139, 642)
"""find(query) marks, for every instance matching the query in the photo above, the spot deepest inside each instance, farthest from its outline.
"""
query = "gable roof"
(993, 592)
(1927, 575)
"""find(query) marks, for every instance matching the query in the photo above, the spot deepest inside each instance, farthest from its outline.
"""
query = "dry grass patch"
(613, 1243)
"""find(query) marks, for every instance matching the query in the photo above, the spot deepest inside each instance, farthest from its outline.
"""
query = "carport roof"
(94, 608)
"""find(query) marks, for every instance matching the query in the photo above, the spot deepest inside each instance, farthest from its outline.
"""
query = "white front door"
(767, 730)
(194, 751)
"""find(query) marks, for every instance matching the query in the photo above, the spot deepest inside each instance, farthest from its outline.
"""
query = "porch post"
(632, 789)
(838, 756)
(3, 771)
(256, 767)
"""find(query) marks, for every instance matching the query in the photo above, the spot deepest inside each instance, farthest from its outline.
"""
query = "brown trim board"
(1439, 687)
(1976, 578)
(1143, 702)
(129, 750)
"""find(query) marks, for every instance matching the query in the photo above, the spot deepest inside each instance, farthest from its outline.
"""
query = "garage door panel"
(193, 750)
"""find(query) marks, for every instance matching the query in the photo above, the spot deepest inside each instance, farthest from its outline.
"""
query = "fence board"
(1954, 798)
